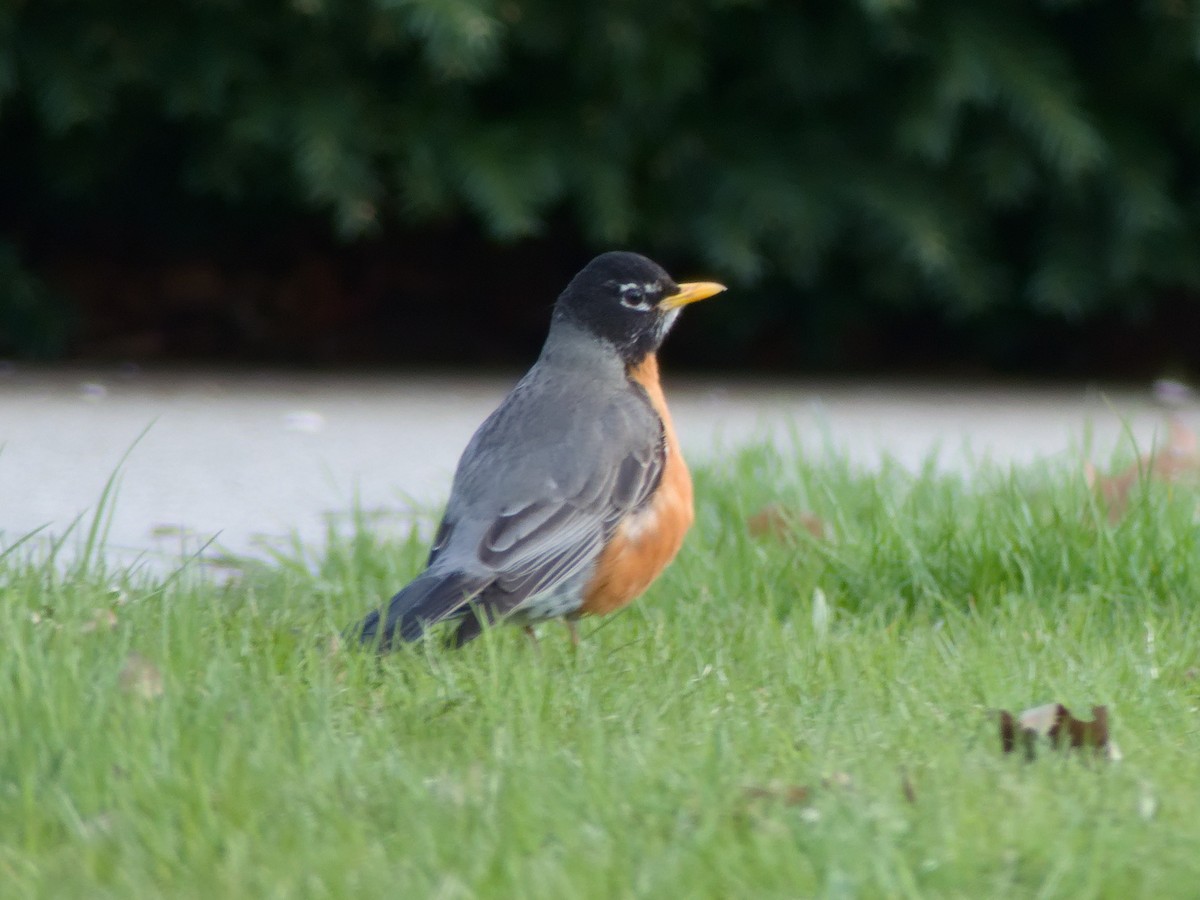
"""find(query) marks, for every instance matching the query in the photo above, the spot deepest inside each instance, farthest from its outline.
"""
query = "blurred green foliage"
(1034, 155)
(34, 321)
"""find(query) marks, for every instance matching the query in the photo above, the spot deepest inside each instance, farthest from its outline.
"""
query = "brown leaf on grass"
(906, 786)
(1054, 722)
(787, 794)
(140, 677)
(1177, 459)
(777, 521)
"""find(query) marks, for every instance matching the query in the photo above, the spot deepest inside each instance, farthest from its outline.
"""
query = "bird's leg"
(570, 623)
(532, 635)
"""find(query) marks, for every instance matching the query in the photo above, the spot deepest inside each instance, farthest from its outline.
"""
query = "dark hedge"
(981, 159)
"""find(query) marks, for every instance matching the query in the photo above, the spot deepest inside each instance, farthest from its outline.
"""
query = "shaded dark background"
(931, 188)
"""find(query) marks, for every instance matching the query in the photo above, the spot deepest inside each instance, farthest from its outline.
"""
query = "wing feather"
(534, 549)
(535, 500)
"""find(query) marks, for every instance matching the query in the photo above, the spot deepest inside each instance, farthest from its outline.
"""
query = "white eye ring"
(633, 296)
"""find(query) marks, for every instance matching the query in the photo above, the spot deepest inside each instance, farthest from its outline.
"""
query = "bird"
(573, 495)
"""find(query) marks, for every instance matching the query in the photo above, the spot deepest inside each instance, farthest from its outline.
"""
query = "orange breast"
(645, 542)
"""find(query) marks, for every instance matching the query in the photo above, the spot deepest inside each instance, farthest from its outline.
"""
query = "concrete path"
(245, 455)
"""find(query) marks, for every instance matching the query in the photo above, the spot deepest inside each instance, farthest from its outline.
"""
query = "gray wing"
(535, 498)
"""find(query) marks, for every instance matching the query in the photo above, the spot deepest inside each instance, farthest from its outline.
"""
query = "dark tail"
(430, 598)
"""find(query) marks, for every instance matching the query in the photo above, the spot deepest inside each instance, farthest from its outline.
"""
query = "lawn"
(781, 716)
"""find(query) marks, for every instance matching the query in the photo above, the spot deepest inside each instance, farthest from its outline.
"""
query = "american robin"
(572, 496)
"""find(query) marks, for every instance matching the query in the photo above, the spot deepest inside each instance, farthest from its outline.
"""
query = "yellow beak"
(691, 292)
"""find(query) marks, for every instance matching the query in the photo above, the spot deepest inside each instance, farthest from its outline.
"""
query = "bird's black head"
(628, 301)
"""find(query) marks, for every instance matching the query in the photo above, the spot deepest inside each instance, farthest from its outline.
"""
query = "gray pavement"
(242, 455)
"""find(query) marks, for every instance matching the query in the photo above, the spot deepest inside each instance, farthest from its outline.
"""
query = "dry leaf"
(141, 677)
(1054, 722)
(1178, 458)
(787, 794)
(777, 521)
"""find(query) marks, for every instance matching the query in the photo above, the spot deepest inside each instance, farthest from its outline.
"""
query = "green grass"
(272, 765)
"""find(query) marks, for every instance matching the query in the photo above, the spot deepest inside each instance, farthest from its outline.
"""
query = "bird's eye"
(633, 296)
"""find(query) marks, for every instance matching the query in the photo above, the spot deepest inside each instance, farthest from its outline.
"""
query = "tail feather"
(428, 599)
